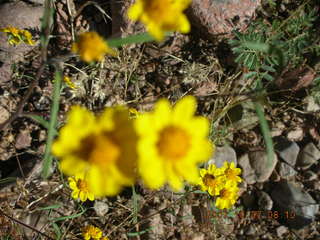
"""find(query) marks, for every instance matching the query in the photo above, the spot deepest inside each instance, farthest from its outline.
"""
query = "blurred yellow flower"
(91, 47)
(227, 196)
(172, 142)
(68, 82)
(80, 188)
(212, 180)
(16, 36)
(91, 232)
(102, 148)
(231, 172)
(161, 16)
(26, 37)
(104, 238)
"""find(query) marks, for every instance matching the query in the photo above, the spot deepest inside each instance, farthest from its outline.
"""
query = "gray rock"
(287, 150)
(223, 154)
(248, 173)
(281, 230)
(286, 171)
(260, 163)
(296, 134)
(264, 201)
(255, 167)
(101, 208)
(308, 156)
(224, 226)
(290, 200)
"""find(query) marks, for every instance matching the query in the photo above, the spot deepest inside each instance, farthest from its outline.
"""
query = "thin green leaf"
(267, 76)
(49, 207)
(41, 120)
(135, 234)
(262, 47)
(57, 231)
(250, 75)
(265, 132)
(7, 180)
(268, 68)
(200, 192)
(68, 217)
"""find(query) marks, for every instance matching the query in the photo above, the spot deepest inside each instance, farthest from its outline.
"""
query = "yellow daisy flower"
(91, 47)
(91, 232)
(231, 172)
(172, 142)
(80, 188)
(16, 36)
(227, 196)
(212, 180)
(161, 16)
(102, 148)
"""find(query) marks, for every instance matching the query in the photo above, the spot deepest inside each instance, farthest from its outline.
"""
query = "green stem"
(47, 161)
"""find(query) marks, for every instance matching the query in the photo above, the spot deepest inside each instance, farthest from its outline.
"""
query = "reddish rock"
(214, 17)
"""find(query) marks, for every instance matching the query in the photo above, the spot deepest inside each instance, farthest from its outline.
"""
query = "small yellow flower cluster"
(109, 151)
(92, 232)
(161, 16)
(69, 82)
(221, 183)
(16, 36)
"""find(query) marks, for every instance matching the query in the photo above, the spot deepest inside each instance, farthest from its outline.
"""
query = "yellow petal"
(184, 109)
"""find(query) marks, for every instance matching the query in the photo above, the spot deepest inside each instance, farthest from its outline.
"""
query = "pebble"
(286, 171)
(281, 230)
(287, 150)
(23, 140)
(290, 200)
(255, 166)
(223, 154)
(101, 208)
(309, 155)
(296, 134)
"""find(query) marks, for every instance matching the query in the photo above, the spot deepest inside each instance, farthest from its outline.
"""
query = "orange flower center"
(82, 185)
(209, 180)
(225, 193)
(173, 143)
(100, 150)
